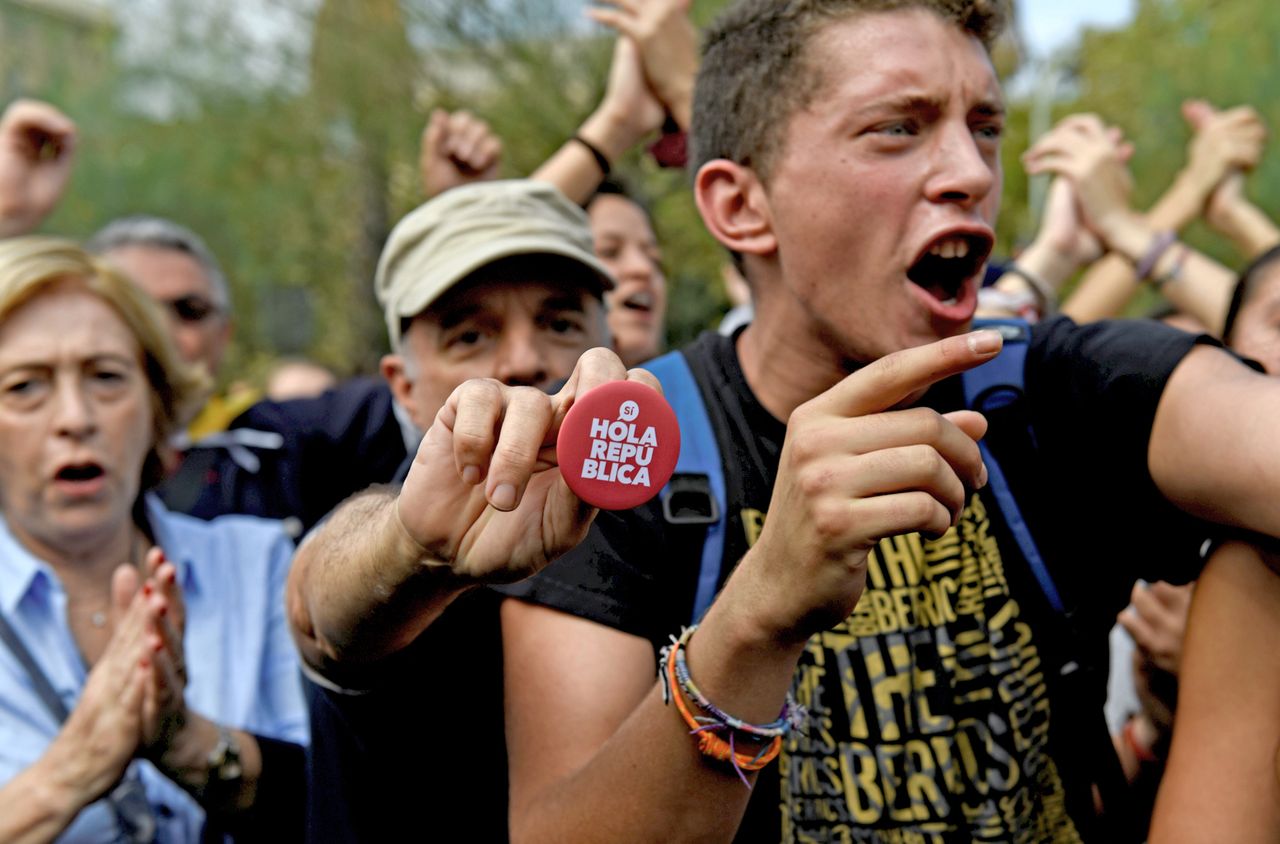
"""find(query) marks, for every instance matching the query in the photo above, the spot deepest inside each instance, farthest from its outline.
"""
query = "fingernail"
(471, 475)
(146, 588)
(171, 576)
(982, 476)
(503, 497)
(984, 342)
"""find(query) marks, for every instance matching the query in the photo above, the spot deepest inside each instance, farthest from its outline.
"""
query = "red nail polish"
(146, 589)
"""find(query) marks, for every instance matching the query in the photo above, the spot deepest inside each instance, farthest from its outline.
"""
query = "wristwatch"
(225, 769)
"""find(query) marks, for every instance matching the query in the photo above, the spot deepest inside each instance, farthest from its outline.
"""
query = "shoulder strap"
(48, 696)
(699, 459)
(996, 384)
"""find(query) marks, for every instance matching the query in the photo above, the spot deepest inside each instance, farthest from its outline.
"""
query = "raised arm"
(627, 114)
(594, 753)
(37, 147)
(457, 148)
(476, 507)
(654, 63)
(1231, 213)
(1082, 149)
(1223, 143)
(668, 46)
(1063, 244)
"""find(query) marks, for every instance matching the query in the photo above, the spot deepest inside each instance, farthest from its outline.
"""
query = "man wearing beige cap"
(494, 280)
(489, 281)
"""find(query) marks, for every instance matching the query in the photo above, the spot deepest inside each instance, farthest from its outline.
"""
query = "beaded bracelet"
(1175, 270)
(1160, 243)
(674, 672)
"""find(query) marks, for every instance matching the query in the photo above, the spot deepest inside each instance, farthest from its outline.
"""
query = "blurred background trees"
(286, 131)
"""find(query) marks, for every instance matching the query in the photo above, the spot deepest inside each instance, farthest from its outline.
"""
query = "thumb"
(1197, 113)
(973, 423)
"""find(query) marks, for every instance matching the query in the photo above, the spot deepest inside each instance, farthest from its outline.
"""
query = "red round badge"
(618, 445)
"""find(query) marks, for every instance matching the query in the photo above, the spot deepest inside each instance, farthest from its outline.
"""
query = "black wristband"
(601, 161)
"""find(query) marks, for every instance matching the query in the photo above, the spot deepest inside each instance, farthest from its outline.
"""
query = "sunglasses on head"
(191, 308)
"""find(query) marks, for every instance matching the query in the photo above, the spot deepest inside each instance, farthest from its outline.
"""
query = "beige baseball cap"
(464, 229)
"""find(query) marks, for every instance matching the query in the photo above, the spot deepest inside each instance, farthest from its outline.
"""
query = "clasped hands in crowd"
(1088, 209)
(133, 703)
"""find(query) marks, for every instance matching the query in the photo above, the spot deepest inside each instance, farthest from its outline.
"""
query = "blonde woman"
(148, 686)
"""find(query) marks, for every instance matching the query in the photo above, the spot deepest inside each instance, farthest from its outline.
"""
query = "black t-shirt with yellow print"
(938, 709)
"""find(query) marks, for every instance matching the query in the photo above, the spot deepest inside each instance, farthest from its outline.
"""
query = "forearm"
(648, 781)
(1182, 202)
(1103, 292)
(1108, 285)
(1250, 230)
(573, 169)
(36, 805)
(361, 589)
(1221, 783)
(1194, 283)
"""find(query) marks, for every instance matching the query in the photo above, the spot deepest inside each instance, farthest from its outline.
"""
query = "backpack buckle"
(689, 500)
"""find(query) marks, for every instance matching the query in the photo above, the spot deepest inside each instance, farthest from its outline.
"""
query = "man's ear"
(393, 369)
(734, 207)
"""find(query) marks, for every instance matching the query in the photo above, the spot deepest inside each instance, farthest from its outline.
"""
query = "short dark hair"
(755, 75)
(613, 186)
(1247, 287)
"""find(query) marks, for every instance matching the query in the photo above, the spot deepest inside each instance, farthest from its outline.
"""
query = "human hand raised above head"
(485, 496)
(37, 147)
(855, 469)
(667, 43)
(1224, 141)
(1064, 243)
(1093, 156)
(458, 148)
(629, 110)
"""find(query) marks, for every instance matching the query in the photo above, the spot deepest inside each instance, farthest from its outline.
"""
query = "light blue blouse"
(241, 663)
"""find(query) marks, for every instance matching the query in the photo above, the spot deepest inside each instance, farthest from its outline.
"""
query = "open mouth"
(642, 301)
(79, 473)
(948, 262)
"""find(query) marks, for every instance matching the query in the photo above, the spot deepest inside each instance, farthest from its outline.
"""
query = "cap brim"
(447, 276)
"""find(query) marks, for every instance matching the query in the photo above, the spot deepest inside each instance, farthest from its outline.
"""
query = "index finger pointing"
(891, 380)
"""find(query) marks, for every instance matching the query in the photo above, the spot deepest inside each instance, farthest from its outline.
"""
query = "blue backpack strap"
(699, 456)
(996, 384)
